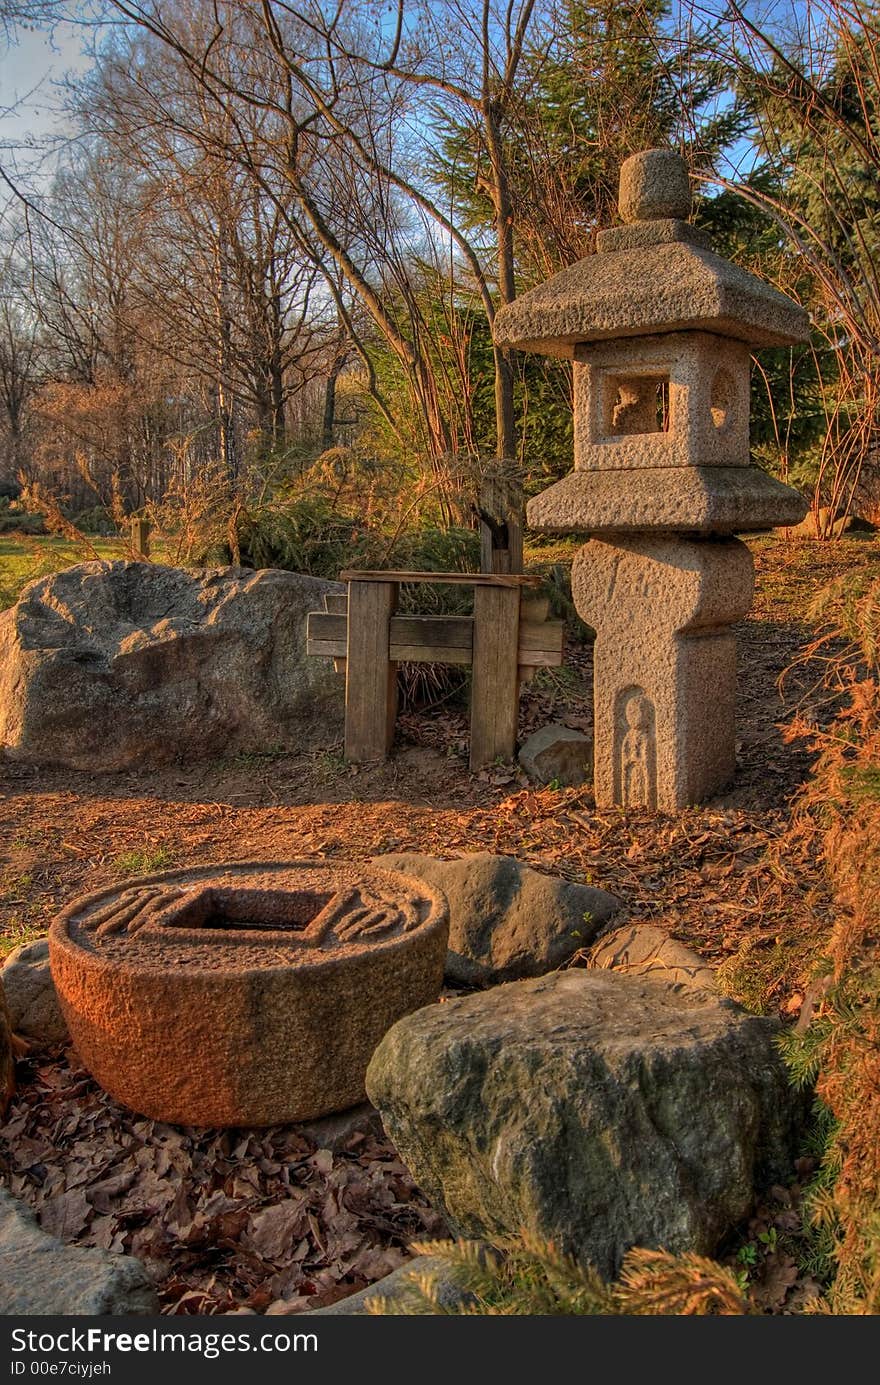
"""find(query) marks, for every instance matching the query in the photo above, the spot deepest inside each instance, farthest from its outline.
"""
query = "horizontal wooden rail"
(437, 639)
(473, 579)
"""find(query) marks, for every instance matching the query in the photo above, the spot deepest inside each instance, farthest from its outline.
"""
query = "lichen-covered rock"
(507, 921)
(558, 753)
(594, 1110)
(107, 666)
(40, 1276)
(31, 996)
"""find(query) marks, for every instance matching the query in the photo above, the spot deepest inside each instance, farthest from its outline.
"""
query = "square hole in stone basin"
(288, 911)
(634, 404)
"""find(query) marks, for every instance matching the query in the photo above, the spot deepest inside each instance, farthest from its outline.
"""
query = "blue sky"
(28, 68)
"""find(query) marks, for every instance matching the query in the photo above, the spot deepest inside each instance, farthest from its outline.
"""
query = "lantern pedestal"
(664, 664)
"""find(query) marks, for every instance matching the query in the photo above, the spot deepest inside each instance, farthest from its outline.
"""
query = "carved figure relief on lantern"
(635, 750)
(667, 401)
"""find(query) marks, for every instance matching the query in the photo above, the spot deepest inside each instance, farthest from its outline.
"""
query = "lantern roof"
(657, 273)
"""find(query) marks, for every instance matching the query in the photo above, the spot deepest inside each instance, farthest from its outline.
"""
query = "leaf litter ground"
(265, 1220)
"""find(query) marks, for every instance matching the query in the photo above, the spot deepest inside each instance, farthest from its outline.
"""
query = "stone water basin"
(251, 994)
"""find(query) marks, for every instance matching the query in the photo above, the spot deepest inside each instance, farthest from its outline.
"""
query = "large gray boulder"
(594, 1110)
(40, 1276)
(31, 998)
(108, 666)
(507, 921)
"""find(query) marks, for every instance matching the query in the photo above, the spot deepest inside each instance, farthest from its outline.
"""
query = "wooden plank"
(327, 649)
(436, 639)
(336, 604)
(449, 632)
(474, 579)
(545, 634)
(371, 676)
(494, 685)
(434, 654)
(414, 653)
(539, 658)
(140, 537)
(534, 608)
(321, 626)
(429, 654)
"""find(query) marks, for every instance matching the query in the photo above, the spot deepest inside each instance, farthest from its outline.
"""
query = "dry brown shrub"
(840, 808)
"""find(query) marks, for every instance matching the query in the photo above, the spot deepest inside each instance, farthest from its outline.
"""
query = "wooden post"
(370, 676)
(495, 685)
(501, 526)
(140, 537)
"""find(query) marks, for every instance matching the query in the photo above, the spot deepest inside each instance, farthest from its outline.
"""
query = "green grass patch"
(25, 557)
(144, 862)
(15, 932)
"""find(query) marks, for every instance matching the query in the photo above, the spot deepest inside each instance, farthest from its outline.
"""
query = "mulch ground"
(727, 878)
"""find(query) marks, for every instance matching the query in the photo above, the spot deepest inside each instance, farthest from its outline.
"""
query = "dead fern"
(529, 1278)
(655, 1283)
(839, 810)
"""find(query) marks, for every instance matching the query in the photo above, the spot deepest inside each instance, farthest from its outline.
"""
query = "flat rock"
(40, 1276)
(638, 949)
(507, 921)
(395, 1288)
(558, 753)
(110, 666)
(594, 1110)
(31, 996)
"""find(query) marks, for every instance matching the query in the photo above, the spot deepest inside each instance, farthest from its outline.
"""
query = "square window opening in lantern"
(635, 404)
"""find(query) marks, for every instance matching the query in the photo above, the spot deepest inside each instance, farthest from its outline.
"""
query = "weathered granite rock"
(506, 920)
(26, 978)
(395, 1288)
(662, 231)
(654, 184)
(250, 994)
(40, 1276)
(108, 666)
(596, 1110)
(822, 525)
(637, 949)
(704, 403)
(559, 753)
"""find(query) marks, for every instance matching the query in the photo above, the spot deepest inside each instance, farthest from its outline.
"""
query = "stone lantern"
(659, 329)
